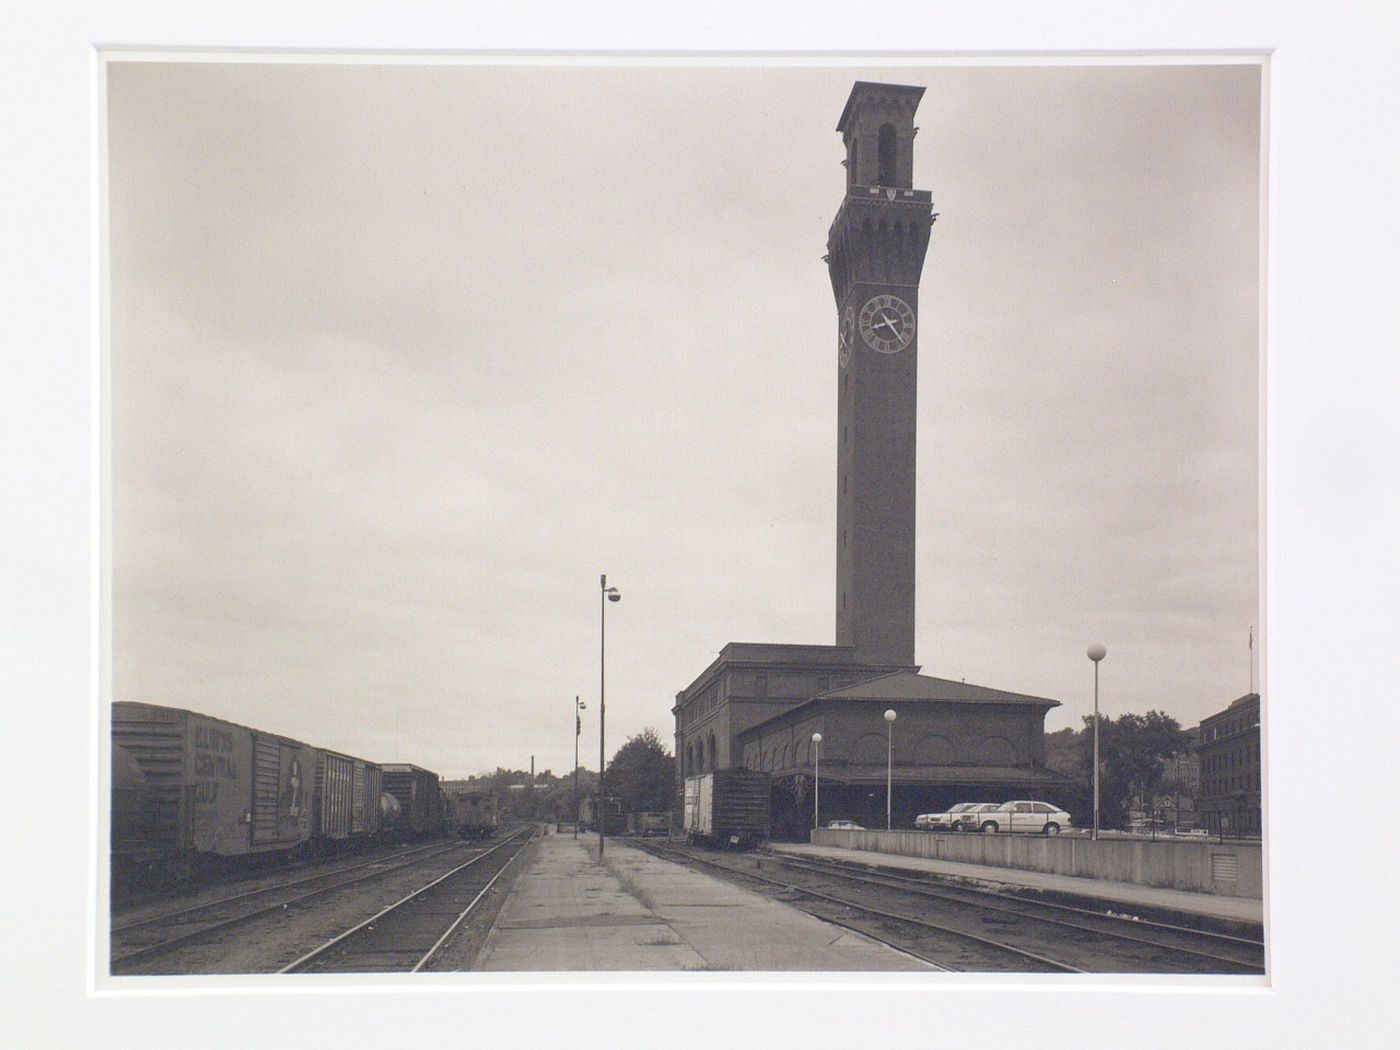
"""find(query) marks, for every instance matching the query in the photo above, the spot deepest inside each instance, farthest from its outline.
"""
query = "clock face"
(848, 328)
(887, 324)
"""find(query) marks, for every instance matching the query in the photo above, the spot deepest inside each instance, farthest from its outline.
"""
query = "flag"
(578, 724)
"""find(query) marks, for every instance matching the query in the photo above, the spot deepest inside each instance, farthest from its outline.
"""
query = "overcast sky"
(403, 358)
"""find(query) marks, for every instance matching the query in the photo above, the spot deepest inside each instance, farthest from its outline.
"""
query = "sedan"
(1037, 818)
(845, 825)
(953, 820)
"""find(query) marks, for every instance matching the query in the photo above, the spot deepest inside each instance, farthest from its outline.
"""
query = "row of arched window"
(891, 246)
(700, 756)
(871, 749)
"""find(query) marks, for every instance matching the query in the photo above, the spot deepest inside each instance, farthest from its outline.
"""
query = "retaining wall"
(1232, 869)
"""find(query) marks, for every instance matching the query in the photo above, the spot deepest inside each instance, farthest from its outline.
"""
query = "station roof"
(908, 685)
(942, 776)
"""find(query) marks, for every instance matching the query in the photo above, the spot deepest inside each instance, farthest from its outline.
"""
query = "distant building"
(758, 704)
(1230, 769)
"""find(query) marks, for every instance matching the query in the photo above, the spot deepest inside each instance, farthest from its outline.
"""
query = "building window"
(887, 154)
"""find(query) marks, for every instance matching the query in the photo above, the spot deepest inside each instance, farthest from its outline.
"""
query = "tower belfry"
(875, 255)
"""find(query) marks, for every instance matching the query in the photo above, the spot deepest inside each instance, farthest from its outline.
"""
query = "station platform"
(568, 912)
(1119, 894)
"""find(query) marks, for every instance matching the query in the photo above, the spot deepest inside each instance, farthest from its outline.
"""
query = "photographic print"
(685, 516)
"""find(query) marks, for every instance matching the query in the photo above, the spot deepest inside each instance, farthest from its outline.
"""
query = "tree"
(1132, 753)
(642, 774)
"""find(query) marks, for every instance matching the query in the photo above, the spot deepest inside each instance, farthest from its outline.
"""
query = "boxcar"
(614, 821)
(656, 823)
(191, 793)
(729, 807)
(346, 805)
(470, 813)
(419, 796)
(209, 789)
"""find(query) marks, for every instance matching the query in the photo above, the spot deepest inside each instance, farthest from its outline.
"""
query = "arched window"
(714, 755)
(869, 750)
(887, 152)
(934, 750)
(996, 751)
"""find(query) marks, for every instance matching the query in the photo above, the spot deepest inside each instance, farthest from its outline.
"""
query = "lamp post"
(890, 716)
(817, 781)
(579, 705)
(605, 594)
(1096, 653)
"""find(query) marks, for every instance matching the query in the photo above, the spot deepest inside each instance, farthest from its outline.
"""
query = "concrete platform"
(1124, 894)
(567, 912)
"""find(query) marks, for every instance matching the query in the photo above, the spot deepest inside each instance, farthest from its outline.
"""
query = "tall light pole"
(890, 716)
(817, 781)
(579, 705)
(1096, 653)
(605, 594)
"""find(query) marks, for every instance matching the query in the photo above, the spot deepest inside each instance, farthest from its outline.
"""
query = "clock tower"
(875, 254)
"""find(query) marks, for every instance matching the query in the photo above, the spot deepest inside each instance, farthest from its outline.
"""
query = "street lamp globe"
(1097, 652)
(890, 716)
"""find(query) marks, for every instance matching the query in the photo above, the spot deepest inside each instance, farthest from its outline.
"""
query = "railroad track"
(942, 946)
(977, 931)
(1232, 953)
(138, 941)
(406, 936)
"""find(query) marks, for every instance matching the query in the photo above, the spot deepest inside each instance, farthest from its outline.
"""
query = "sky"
(404, 357)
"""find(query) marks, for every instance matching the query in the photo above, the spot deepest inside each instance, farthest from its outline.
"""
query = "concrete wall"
(1200, 867)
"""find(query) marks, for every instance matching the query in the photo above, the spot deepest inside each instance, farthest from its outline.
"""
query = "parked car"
(1038, 818)
(845, 825)
(959, 818)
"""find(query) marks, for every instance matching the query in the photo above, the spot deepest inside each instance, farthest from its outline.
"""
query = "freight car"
(614, 823)
(470, 813)
(418, 792)
(649, 823)
(210, 793)
(729, 807)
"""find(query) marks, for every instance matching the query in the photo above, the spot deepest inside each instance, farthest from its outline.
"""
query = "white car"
(1037, 818)
(956, 819)
(845, 825)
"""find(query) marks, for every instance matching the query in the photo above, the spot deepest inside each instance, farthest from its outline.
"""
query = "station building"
(758, 704)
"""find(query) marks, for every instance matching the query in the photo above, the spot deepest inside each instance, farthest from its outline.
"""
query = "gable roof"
(907, 685)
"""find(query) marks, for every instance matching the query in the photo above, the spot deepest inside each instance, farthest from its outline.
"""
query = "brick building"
(759, 704)
(1230, 769)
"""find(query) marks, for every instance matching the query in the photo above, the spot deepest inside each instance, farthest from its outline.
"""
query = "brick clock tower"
(875, 254)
